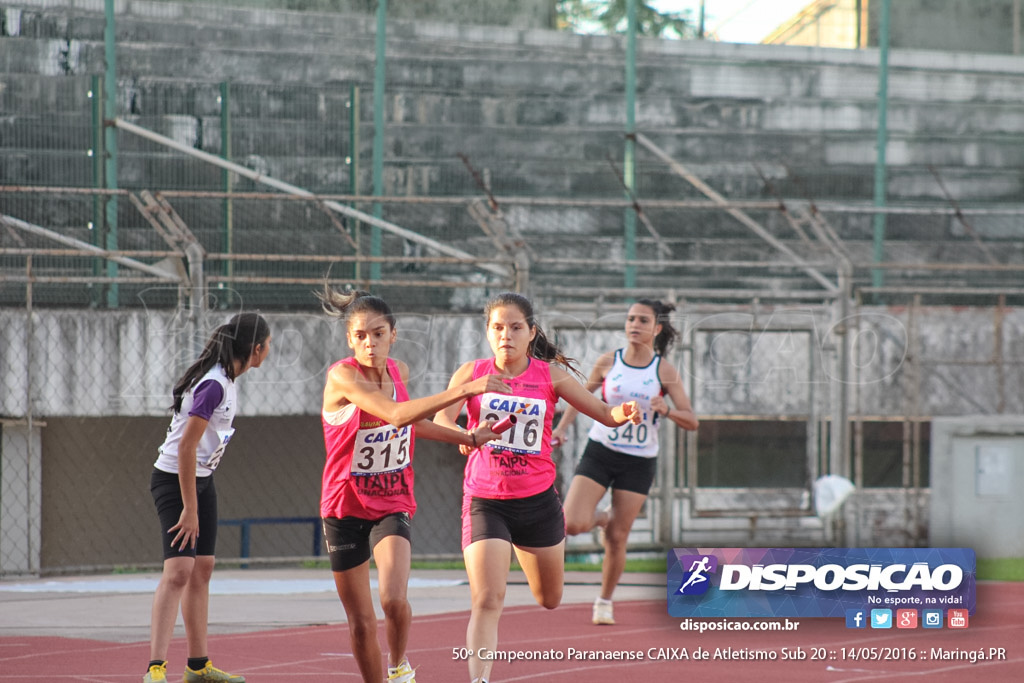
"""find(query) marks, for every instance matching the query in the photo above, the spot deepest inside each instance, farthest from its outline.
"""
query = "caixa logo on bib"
(816, 582)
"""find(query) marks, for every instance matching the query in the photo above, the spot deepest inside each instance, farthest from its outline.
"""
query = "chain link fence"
(87, 393)
(747, 202)
(89, 354)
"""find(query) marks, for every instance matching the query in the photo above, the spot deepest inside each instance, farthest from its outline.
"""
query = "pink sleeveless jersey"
(368, 473)
(519, 464)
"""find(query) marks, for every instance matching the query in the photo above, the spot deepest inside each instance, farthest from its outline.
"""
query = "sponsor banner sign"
(818, 582)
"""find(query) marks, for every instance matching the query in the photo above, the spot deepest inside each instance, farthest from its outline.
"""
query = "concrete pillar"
(20, 498)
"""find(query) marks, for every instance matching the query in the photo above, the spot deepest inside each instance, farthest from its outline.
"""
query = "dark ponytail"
(541, 347)
(341, 305)
(235, 340)
(668, 333)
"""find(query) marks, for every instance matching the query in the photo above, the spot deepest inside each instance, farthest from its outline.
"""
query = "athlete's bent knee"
(573, 527)
(550, 601)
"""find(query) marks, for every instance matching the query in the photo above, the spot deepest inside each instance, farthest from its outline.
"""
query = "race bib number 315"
(526, 434)
(381, 449)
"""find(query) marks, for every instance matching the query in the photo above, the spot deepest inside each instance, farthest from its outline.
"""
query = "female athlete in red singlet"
(509, 499)
(367, 501)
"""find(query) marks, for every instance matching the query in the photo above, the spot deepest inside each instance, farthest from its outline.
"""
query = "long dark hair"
(541, 347)
(662, 312)
(342, 305)
(235, 340)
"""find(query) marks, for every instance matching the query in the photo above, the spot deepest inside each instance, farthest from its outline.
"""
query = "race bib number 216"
(526, 434)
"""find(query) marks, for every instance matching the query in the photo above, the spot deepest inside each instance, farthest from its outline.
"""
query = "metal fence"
(86, 396)
(90, 372)
(804, 352)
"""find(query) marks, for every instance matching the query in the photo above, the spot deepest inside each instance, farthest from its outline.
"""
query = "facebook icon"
(855, 618)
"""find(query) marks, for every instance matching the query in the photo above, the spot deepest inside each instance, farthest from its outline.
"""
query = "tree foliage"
(611, 16)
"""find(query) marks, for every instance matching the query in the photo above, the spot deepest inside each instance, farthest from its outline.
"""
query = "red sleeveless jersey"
(518, 464)
(368, 473)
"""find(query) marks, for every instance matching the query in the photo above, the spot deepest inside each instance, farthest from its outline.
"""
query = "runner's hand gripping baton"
(503, 424)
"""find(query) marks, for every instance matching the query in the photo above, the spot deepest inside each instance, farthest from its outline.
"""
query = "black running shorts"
(617, 470)
(533, 522)
(167, 496)
(350, 540)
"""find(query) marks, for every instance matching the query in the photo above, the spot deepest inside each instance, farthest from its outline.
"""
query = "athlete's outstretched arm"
(345, 384)
(447, 416)
(435, 432)
(577, 396)
(595, 380)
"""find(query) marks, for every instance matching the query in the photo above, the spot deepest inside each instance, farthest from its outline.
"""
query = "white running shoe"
(403, 673)
(603, 612)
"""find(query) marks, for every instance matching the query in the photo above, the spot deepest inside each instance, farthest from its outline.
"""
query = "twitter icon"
(881, 618)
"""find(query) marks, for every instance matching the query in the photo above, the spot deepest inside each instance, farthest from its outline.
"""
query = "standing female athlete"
(367, 502)
(625, 458)
(186, 500)
(509, 500)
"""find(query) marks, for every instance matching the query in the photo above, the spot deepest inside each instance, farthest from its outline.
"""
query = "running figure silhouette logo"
(697, 568)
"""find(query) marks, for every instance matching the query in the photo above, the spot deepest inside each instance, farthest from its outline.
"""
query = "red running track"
(320, 654)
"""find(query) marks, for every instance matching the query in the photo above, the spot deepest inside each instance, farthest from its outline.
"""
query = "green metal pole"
(228, 208)
(376, 244)
(877, 276)
(96, 95)
(629, 167)
(859, 11)
(353, 167)
(110, 146)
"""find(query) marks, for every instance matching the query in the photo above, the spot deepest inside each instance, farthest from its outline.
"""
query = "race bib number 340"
(526, 434)
(629, 435)
(381, 449)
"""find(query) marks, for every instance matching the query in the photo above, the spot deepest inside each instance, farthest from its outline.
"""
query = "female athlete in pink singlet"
(509, 500)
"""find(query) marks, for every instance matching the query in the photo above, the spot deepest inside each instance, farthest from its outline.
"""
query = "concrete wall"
(951, 25)
(21, 499)
(976, 480)
(100, 394)
(95, 509)
(542, 109)
(103, 364)
(521, 13)
(538, 113)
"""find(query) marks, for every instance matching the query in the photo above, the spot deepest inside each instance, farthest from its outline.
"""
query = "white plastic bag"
(830, 492)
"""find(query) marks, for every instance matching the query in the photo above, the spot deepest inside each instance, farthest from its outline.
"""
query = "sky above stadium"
(737, 21)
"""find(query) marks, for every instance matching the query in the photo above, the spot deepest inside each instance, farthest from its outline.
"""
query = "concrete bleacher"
(541, 112)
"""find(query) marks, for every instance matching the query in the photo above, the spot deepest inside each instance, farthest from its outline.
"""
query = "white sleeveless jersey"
(627, 383)
(218, 432)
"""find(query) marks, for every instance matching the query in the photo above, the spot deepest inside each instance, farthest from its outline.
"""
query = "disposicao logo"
(696, 579)
(819, 582)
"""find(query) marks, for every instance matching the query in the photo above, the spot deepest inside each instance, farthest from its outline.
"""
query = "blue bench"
(247, 523)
